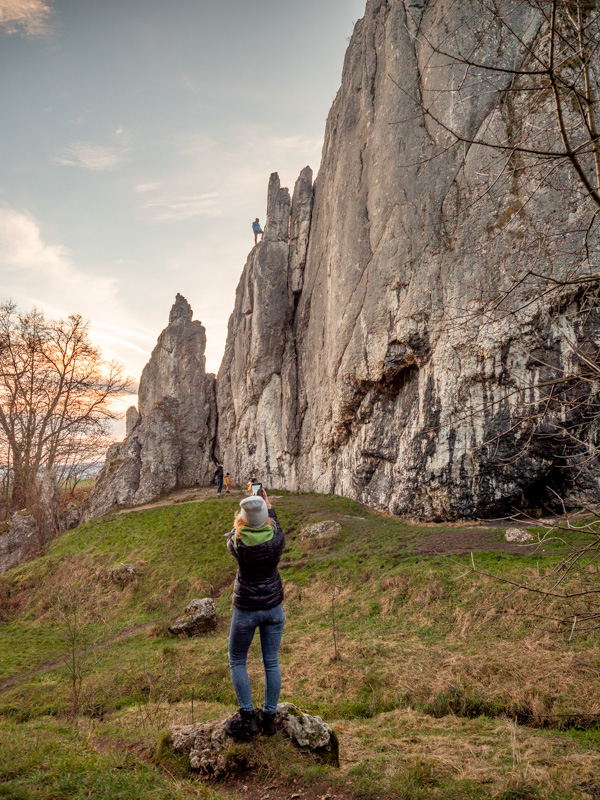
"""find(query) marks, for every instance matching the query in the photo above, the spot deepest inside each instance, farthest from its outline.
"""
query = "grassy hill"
(438, 684)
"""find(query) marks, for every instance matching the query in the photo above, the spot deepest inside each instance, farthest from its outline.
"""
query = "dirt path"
(466, 540)
(8, 683)
(184, 496)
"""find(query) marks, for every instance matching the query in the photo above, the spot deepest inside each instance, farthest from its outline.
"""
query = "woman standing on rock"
(256, 542)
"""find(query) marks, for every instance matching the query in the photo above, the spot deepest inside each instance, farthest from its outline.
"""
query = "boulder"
(200, 616)
(518, 535)
(45, 508)
(215, 754)
(122, 574)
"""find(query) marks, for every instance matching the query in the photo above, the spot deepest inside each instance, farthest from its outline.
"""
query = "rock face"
(256, 388)
(28, 531)
(213, 753)
(359, 358)
(170, 439)
(388, 341)
(21, 541)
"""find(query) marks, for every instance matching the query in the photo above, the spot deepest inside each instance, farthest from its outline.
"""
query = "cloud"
(27, 17)
(142, 188)
(298, 143)
(185, 207)
(46, 269)
(91, 156)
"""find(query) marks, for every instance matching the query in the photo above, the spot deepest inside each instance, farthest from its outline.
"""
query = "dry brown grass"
(537, 679)
(496, 753)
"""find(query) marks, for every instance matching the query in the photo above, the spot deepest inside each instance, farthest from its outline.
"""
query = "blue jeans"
(243, 625)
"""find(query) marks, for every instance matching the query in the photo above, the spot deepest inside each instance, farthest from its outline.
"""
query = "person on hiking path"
(219, 479)
(227, 483)
(257, 230)
(256, 542)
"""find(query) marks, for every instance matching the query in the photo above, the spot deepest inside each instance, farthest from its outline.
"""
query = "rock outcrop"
(362, 356)
(389, 342)
(215, 754)
(256, 388)
(20, 541)
(28, 531)
(170, 439)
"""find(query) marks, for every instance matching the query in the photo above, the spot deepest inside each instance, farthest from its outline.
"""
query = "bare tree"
(56, 398)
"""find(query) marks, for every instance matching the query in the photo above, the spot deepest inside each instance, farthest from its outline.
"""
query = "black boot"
(266, 722)
(242, 725)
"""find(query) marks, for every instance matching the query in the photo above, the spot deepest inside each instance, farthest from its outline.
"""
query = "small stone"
(517, 535)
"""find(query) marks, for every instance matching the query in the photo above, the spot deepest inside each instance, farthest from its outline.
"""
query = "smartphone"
(257, 489)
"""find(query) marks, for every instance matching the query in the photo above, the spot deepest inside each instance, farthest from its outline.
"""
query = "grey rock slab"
(21, 542)
(70, 517)
(200, 616)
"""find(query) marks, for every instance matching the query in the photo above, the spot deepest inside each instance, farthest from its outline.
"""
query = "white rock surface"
(518, 535)
(327, 529)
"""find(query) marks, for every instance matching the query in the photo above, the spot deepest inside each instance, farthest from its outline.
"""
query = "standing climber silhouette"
(257, 229)
(219, 479)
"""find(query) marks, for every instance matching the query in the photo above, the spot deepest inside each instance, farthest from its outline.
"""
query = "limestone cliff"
(388, 342)
(170, 439)
(360, 359)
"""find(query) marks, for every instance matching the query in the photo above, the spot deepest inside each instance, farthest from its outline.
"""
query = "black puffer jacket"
(258, 583)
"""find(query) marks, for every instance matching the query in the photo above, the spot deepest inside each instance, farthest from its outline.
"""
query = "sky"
(136, 145)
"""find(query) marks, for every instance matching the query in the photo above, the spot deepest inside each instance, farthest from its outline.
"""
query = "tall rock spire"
(170, 440)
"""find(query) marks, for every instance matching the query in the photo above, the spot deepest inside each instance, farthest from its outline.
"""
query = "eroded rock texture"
(170, 439)
(366, 355)
(215, 754)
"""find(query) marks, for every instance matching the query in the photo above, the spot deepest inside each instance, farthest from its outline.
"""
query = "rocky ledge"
(215, 754)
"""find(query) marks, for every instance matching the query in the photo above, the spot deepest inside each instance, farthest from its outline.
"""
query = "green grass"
(426, 651)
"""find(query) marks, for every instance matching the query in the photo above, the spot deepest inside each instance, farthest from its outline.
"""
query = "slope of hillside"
(436, 684)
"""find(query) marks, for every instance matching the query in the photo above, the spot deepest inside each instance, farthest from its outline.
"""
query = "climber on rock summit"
(257, 229)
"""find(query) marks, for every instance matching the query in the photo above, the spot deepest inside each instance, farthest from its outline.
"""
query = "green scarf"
(250, 536)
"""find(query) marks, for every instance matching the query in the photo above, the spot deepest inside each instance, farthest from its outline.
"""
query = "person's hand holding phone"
(266, 498)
